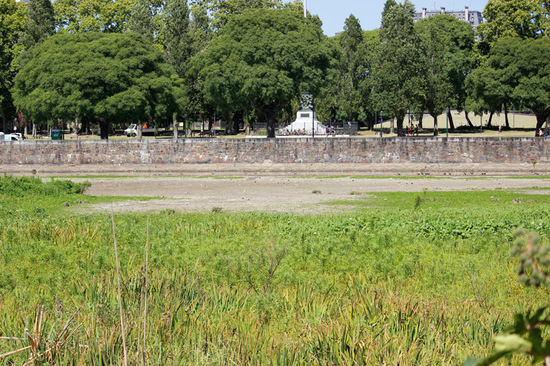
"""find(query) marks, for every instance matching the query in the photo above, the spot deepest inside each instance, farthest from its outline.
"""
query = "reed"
(378, 286)
(123, 332)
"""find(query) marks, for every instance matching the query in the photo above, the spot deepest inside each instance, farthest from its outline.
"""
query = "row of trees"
(100, 62)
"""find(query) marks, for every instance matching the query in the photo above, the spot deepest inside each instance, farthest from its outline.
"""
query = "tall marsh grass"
(373, 287)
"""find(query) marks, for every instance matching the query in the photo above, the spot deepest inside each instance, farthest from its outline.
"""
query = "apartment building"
(473, 17)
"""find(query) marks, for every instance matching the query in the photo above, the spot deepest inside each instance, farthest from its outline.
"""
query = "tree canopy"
(95, 76)
(516, 72)
(12, 20)
(249, 60)
(515, 18)
(93, 15)
(40, 22)
(352, 66)
(261, 60)
(448, 45)
(399, 66)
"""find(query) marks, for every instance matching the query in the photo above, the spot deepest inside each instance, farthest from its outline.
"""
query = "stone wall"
(279, 151)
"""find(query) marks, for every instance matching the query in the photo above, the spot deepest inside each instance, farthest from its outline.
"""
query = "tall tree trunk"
(103, 129)
(542, 117)
(400, 120)
(392, 127)
(231, 127)
(4, 121)
(506, 116)
(34, 130)
(270, 125)
(85, 126)
(451, 122)
(468, 119)
(420, 119)
(370, 122)
(175, 124)
(236, 124)
(436, 128)
(271, 129)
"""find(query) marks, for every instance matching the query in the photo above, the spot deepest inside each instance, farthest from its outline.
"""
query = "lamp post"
(312, 118)
(447, 122)
(381, 122)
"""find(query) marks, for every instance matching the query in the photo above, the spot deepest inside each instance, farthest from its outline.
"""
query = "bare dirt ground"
(298, 188)
(277, 194)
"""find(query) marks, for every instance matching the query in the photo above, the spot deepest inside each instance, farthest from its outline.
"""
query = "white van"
(12, 137)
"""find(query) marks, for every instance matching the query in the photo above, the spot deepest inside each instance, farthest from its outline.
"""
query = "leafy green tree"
(141, 19)
(222, 10)
(487, 91)
(201, 27)
(352, 82)
(514, 18)
(12, 20)
(245, 69)
(178, 41)
(40, 23)
(525, 19)
(98, 77)
(399, 68)
(448, 45)
(387, 6)
(517, 72)
(438, 90)
(107, 16)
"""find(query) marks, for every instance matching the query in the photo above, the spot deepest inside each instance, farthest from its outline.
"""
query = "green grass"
(401, 281)
(430, 200)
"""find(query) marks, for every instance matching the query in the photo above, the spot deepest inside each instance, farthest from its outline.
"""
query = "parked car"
(131, 130)
(12, 137)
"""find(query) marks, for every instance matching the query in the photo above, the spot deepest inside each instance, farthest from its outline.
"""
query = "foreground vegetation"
(409, 279)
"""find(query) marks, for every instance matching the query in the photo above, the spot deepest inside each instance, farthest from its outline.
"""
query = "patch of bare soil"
(274, 193)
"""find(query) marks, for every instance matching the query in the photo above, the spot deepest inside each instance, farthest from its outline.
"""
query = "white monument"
(305, 121)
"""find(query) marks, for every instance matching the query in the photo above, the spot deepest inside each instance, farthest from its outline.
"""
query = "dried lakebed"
(302, 195)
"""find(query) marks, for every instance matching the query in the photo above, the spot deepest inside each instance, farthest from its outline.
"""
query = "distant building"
(473, 17)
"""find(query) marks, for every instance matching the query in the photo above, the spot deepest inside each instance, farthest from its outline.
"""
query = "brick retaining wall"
(279, 151)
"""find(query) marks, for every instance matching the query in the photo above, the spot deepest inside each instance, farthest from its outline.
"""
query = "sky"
(333, 13)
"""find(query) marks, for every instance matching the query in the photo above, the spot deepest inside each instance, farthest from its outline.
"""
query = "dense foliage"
(245, 69)
(516, 72)
(12, 20)
(96, 77)
(250, 77)
(398, 77)
(409, 278)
